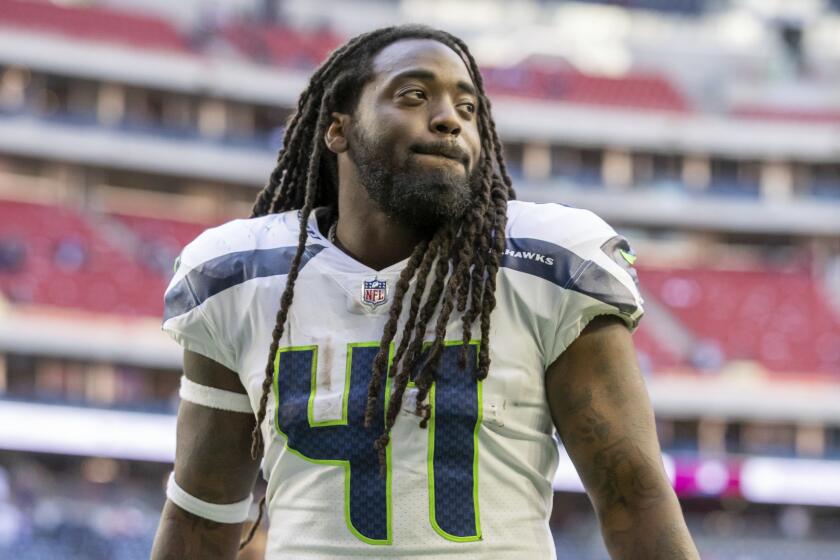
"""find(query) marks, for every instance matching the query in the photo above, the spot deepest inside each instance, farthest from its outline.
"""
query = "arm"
(602, 411)
(212, 462)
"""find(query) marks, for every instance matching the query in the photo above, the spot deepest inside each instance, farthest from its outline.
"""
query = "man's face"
(414, 136)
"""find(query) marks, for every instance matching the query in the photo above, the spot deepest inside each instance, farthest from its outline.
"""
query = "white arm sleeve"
(220, 513)
(212, 397)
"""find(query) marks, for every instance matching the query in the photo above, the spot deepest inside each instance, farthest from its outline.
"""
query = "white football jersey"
(476, 484)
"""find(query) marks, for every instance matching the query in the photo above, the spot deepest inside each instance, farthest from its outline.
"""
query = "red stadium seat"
(94, 23)
(161, 230)
(782, 320)
(283, 46)
(69, 264)
(640, 91)
(651, 352)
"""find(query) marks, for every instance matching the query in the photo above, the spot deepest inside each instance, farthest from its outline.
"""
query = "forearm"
(184, 536)
(656, 533)
(603, 414)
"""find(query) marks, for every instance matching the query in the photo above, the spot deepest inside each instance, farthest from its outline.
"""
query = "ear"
(336, 135)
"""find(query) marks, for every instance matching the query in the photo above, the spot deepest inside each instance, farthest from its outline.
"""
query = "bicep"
(603, 414)
(213, 452)
(212, 463)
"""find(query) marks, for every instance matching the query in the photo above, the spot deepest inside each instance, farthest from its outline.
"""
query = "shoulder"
(560, 237)
(237, 236)
(575, 250)
(563, 226)
(228, 255)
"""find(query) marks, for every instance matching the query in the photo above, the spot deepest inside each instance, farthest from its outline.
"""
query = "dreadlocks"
(454, 269)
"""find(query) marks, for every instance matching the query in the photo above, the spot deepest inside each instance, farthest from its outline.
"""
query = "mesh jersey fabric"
(477, 483)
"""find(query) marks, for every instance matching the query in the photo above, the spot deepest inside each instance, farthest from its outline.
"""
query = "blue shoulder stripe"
(564, 268)
(536, 257)
(226, 271)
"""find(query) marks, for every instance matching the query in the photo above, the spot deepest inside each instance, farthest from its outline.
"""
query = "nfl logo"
(374, 292)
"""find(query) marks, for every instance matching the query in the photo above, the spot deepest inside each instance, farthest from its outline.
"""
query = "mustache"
(445, 149)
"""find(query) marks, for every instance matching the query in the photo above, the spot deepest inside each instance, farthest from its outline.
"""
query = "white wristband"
(214, 398)
(220, 513)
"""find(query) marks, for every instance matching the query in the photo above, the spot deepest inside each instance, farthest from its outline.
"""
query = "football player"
(395, 339)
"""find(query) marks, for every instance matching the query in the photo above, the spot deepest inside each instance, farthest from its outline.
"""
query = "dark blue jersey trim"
(226, 271)
(567, 270)
(536, 257)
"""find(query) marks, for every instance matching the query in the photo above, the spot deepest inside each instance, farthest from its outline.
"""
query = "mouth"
(447, 153)
(441, 158)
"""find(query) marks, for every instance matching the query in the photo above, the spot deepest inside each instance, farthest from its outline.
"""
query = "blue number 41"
(453, 433)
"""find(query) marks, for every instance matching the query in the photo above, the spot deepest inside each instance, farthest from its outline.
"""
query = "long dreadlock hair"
(462, 260)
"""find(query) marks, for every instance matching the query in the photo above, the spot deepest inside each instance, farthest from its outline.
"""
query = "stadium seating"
(93, 23)
(52, 256)
(158, 241)
(282, 46)
(161, 231)
(640, 91)
(653, 356)
(740, 311)
(286, 46)
(67, 264)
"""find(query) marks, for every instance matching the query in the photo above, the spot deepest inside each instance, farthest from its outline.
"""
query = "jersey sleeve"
(591, 269)
(192, 316)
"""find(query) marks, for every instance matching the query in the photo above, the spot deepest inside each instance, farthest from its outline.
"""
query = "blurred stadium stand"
(94, 23)
(639, 91)
(64, 262)
(705, 132)
(740, 311)
(283, 46)
(683, 7)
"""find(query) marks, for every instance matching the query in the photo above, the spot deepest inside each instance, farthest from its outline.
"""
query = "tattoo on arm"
(624, 476)
(603, 414)
(592, 428)
(637, 509)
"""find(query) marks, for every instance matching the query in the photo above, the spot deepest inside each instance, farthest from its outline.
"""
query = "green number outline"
(430, 468)
(388, 481)
(339, 462)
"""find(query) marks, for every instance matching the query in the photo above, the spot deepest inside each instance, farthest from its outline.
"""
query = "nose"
(445, 120)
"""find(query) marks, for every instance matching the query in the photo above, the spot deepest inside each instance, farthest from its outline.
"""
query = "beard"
(421, 197)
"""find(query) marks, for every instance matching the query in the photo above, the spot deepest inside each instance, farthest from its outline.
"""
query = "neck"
(368, 235)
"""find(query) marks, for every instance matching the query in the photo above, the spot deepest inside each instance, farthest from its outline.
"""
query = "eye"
(414, 94)
(469, 107)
